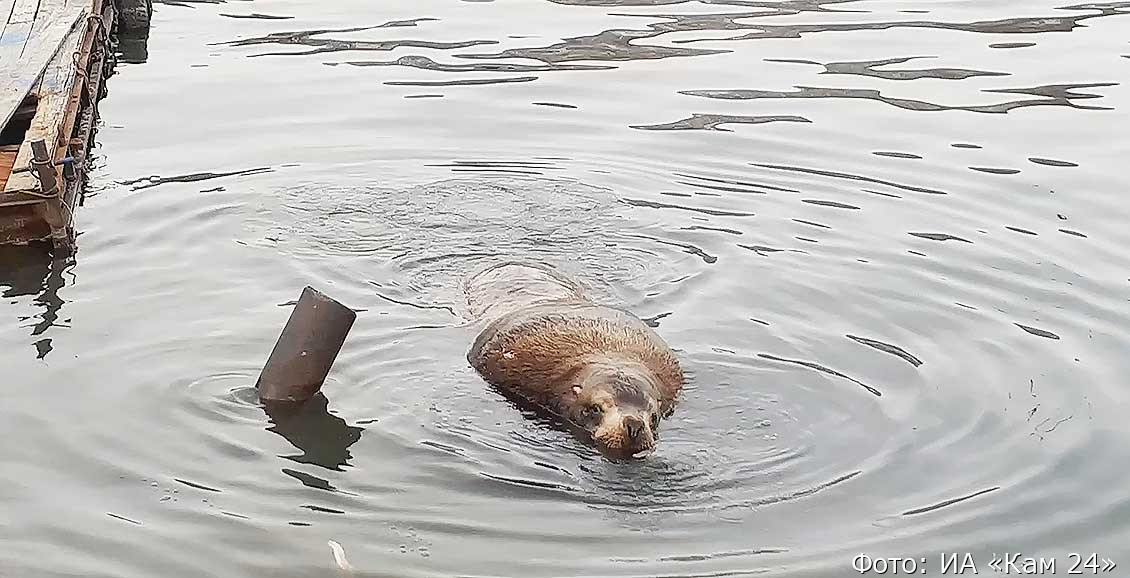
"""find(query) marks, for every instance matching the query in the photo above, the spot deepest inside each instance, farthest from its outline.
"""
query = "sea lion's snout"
(635, 427)
(620, 410)
(629, 437)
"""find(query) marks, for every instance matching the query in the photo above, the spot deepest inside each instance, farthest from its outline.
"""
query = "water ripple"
(904, 333)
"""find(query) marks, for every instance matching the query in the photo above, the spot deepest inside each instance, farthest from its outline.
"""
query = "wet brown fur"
(545, 336)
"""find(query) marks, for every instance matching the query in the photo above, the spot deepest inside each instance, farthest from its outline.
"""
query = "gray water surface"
(887, 238)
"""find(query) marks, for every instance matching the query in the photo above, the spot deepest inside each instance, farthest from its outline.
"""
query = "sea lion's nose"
(634, 425)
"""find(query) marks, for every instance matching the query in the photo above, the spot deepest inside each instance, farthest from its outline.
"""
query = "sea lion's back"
(507, 287)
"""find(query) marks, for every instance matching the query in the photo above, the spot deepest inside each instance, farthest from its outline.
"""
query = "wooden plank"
(18, 23)
(23, 56)
(7, 11)
(55, 99)
(7, 159)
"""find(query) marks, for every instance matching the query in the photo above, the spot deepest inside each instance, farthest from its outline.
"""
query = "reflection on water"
(1061, 95)
(323, 438)
(36, 273)
(905, 332)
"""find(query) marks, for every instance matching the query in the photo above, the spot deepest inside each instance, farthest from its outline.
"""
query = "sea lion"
(597, 368)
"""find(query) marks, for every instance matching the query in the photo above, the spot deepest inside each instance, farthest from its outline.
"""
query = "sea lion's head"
(618, 406)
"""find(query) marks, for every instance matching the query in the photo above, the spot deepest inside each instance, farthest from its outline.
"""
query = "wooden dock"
(54, 59)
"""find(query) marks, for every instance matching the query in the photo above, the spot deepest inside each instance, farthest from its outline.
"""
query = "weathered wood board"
(32, 33)
(7, 159)
(54, 93)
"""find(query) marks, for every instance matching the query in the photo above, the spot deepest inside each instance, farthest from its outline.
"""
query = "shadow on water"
(34, 271)
(1050, 95)
(323, 438)
(132, 47)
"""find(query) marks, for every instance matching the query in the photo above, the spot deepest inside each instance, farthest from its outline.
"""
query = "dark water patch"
(503, 167)
(423, 96)
(257, 16)
(715, 122)
(811, 223)
(1007, 45)
(188, 3)
(703, 210)
(686, 247)
(1019, 230)
(1023, 25)
(35, 271)
(896, 155)
(1038, 332)
(323, 438)
(300, 524)
(425, 63)
(310, 481)
(214, 190)
(712, 229)
(558, 469)
(153, 181)
(1060, 93)
(849, 176)
(881, 193)
(1051, 162)
(1073, 233)
(939, 237)
(528, 483)
(917, 253)
(965, 145)
(196, 485)
(443, 448)
(833, 204)
(42, 347)
(723, 555)
(312, 39)
(123, 518)
(610, 45)
(555, 105)
(871, 68)
(407, 303)
(949, 502)
(765, 250)
(888, 348)
(322, 509)
(746, 186)
(759, 321)
(619, 3)
(995, 170)
(1052, 95)
(462, 82)
(822, 369)
(721, 188)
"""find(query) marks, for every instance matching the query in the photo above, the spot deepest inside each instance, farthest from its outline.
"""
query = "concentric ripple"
(886, 239)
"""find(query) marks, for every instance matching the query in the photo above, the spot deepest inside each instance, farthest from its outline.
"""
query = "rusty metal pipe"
(306, 349)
